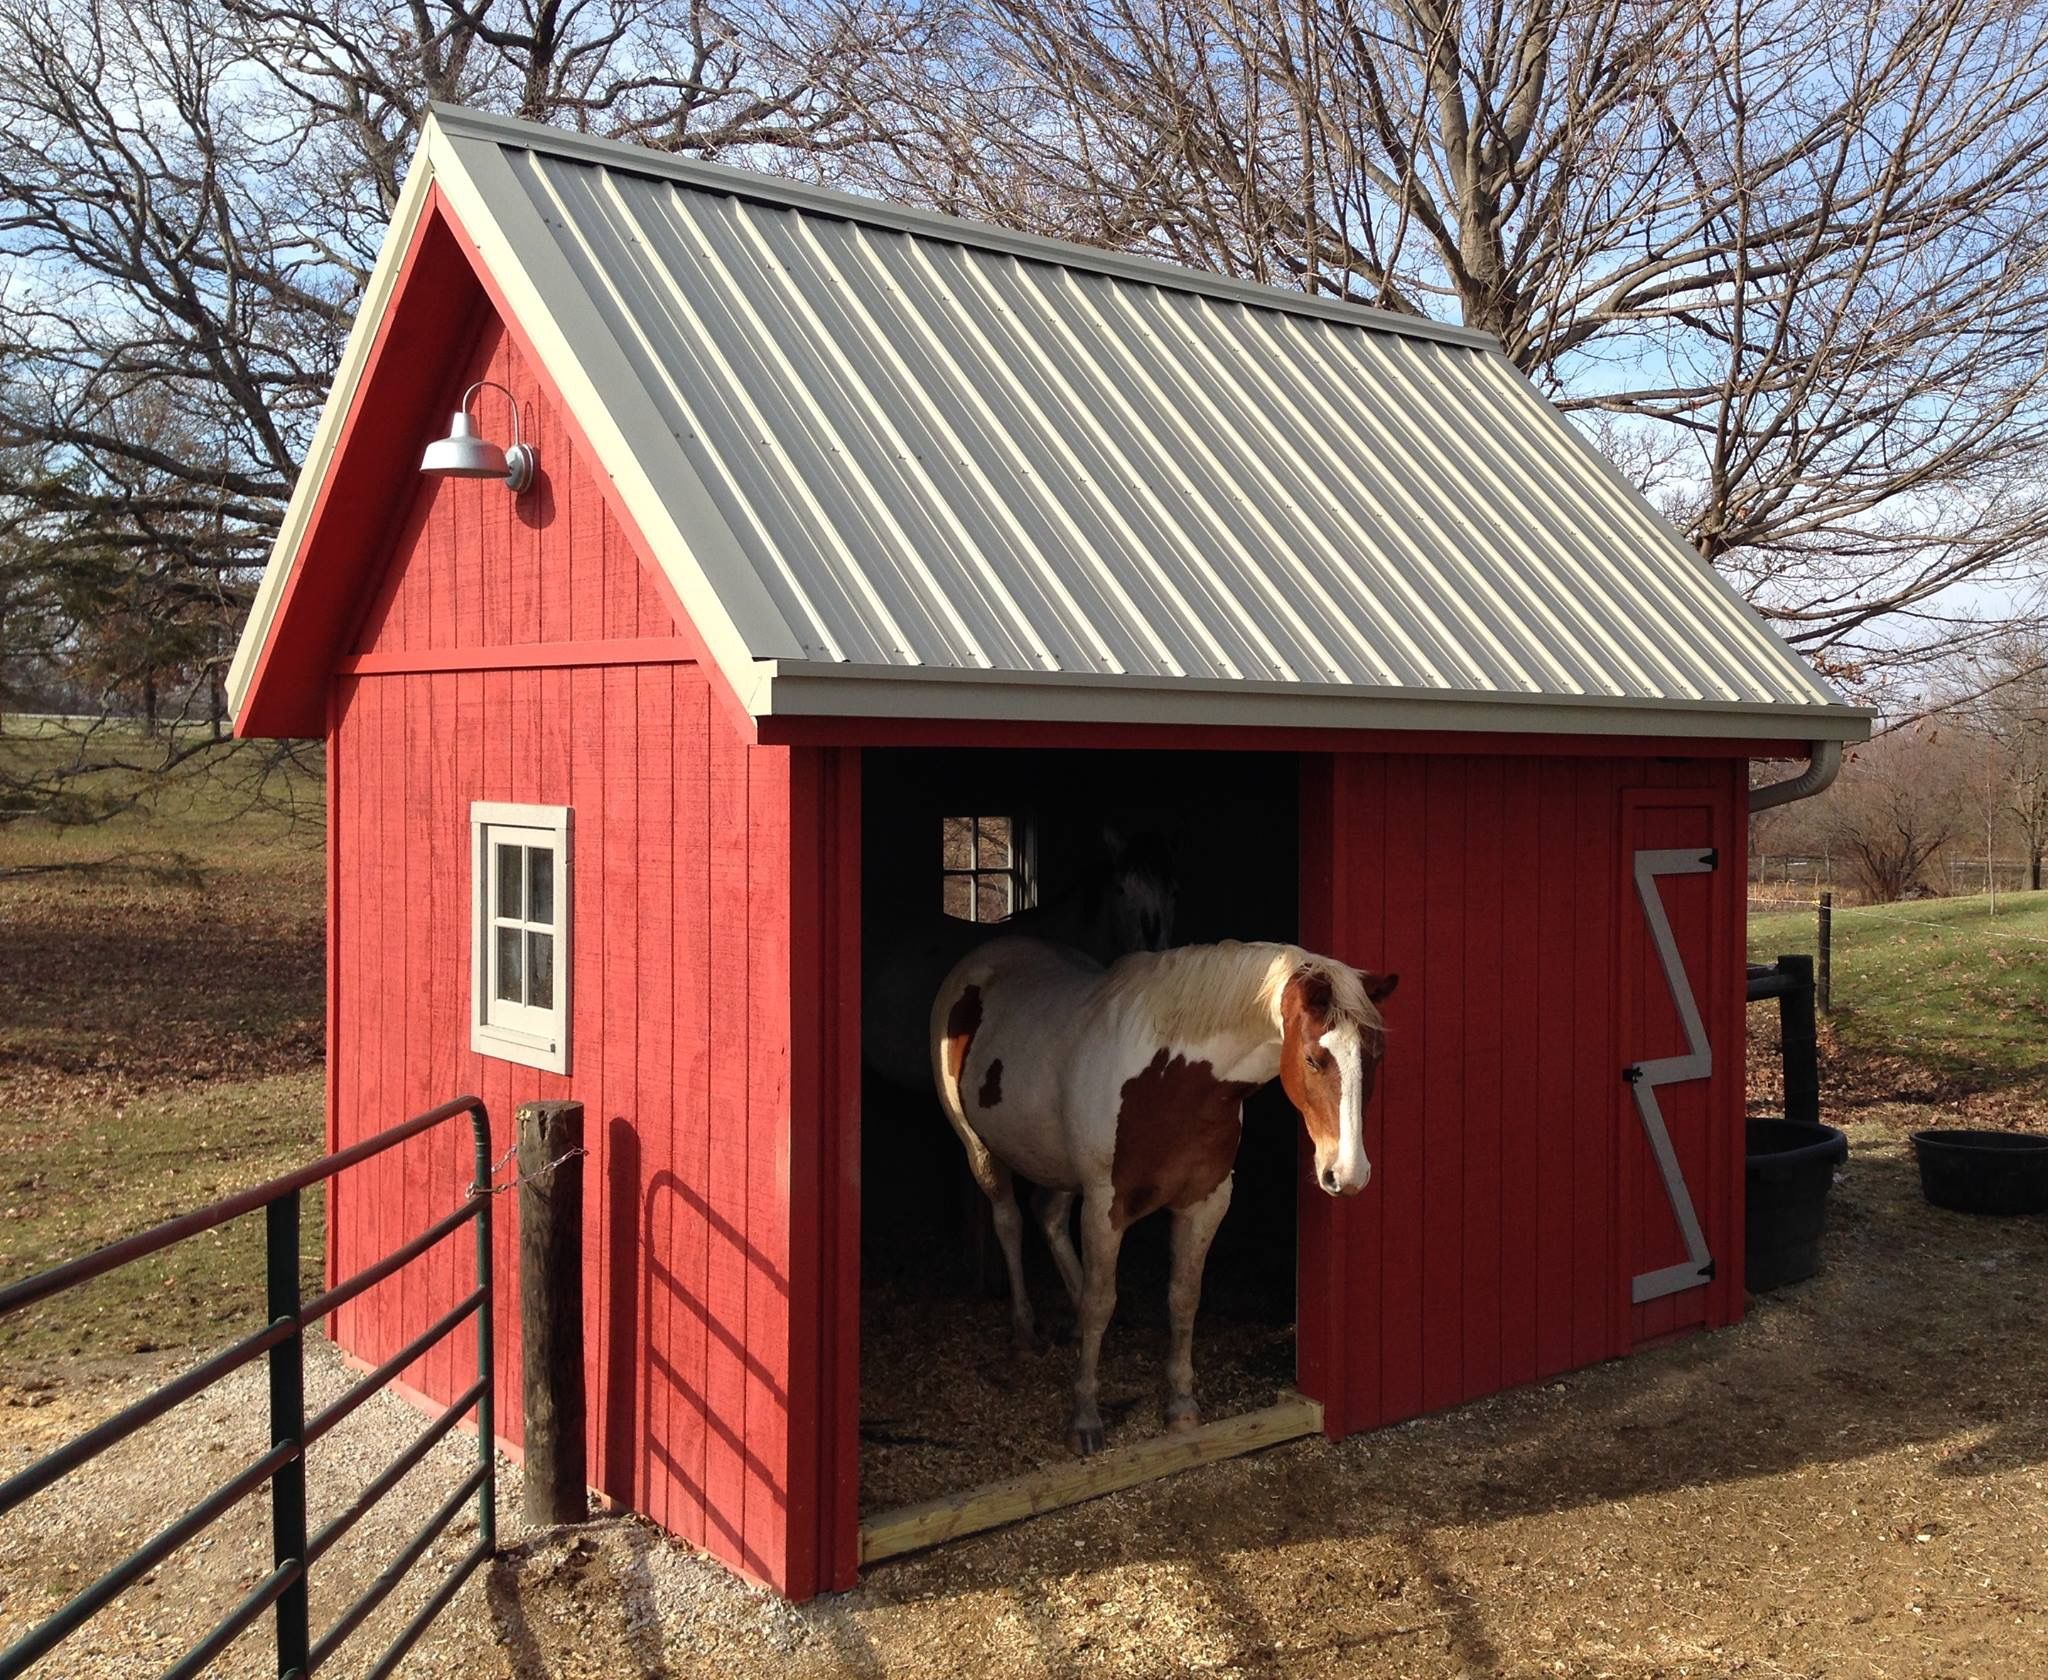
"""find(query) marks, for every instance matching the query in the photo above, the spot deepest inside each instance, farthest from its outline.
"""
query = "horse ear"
(1309, 991)
(1379, 987)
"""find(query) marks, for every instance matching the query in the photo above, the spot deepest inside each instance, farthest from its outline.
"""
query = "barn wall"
(702, 1402)
(478, 568)
(1513, 1196)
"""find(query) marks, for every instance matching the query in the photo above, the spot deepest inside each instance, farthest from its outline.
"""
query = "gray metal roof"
(901, 446)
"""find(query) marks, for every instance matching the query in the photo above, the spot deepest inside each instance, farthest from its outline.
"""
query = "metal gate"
(294, 1551)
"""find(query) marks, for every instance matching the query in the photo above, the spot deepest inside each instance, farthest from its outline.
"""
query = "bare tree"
(1789, 257)
(192, 194)
(2000, 694)
(1900, 800)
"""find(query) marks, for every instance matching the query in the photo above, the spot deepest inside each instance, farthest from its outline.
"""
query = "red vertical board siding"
(839, 1386)
(726, 1261)
(685, 957)
(1441, 1052)
(1727, 1297)
(1484, 862)
(1406, 1121)
(1508, 1207)
(1521, 1133)
(764, 1192)
(1595, 1066)
(1556, 994)
(475, 567)
(682, 977)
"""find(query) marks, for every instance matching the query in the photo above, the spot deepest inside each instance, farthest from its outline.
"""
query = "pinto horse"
(1125, 1087)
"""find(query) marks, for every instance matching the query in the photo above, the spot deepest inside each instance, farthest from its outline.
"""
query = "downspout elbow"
(1822, 766)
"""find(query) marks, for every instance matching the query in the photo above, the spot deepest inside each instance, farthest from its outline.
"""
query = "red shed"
(847, 518)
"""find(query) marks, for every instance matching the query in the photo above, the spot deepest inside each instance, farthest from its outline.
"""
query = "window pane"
(992, 843)
(956, 843)
(540, 970)
(991, 898)
(540, 885)
(958, 899)
(508, 966)
(511, 889)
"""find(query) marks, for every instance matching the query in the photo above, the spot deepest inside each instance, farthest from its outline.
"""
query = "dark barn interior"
(946, 1403)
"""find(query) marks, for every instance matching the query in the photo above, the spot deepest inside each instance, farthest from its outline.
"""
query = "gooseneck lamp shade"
(462, 454)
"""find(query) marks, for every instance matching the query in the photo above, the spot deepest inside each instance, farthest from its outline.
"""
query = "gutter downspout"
(1823, 765)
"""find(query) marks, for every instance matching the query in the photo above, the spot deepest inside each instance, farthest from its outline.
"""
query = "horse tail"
(956, 1018)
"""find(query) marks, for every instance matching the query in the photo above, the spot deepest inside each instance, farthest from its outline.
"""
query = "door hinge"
(1631, 1075)
(1711, 859)
(1707, 1271)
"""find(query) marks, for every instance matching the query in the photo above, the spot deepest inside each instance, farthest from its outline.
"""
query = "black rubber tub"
(1791, 1169)
(1984, 1172)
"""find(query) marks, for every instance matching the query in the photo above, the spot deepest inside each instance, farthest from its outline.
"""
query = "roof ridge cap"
(460, 122)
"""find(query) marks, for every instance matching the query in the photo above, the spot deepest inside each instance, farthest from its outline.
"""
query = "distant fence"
(1954, 874)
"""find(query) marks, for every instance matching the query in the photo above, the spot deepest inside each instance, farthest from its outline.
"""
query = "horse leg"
(1010, 1233)
(999, 1186)
(1101, 1241)
(1193, 1229)
(1055, 1211)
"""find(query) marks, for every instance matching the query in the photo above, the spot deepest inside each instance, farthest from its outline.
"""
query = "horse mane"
(1195, 991)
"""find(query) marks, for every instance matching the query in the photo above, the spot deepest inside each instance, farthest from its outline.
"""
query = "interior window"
(984, 867)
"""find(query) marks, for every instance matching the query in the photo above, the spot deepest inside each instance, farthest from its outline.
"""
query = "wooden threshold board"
(910, 1528)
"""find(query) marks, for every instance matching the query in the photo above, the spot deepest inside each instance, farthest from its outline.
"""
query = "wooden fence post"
(551, 1310)
(1824, 981)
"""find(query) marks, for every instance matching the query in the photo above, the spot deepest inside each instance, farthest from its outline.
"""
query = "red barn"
(846, 518)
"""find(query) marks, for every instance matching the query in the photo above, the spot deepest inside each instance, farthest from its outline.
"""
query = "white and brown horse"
(1125, 1087)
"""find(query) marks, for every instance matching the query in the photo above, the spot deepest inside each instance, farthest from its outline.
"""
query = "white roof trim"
(808, 689)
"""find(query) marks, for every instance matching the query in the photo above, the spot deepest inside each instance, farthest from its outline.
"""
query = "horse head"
(1331, 1043)
(1138, 892)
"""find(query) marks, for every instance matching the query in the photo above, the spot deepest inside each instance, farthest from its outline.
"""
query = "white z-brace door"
(1645, 1077)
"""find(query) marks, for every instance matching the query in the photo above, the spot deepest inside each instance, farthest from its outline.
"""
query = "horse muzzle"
(1334, 1183)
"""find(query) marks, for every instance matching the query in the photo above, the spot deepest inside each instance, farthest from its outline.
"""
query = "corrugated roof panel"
(952, 454)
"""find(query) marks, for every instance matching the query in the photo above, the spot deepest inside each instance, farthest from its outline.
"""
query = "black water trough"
(1984, 1172)
(1791, 1169)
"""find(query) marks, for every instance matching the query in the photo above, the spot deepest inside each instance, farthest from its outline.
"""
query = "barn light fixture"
(462, 454)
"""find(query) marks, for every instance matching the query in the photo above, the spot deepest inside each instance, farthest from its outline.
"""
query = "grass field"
(1944, 984)
(160, 1037)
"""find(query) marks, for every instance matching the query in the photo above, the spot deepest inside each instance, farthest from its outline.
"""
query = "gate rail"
(293, 1550)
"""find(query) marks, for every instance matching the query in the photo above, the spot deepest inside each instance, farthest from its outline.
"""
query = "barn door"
(1673, 977)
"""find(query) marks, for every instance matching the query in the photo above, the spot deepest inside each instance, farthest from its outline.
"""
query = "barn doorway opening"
(954, 842)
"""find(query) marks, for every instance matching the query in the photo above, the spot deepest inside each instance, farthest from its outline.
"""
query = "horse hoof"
(1183, 1415)
(1086, 1442)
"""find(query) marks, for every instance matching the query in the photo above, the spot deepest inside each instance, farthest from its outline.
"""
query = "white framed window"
(987, 867)
(519, 968)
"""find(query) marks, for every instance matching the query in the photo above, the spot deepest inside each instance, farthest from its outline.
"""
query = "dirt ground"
(1849, 1484)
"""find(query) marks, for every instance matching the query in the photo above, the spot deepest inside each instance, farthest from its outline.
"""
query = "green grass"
(1944, 983)
(76, 1179)
(160, 1033)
